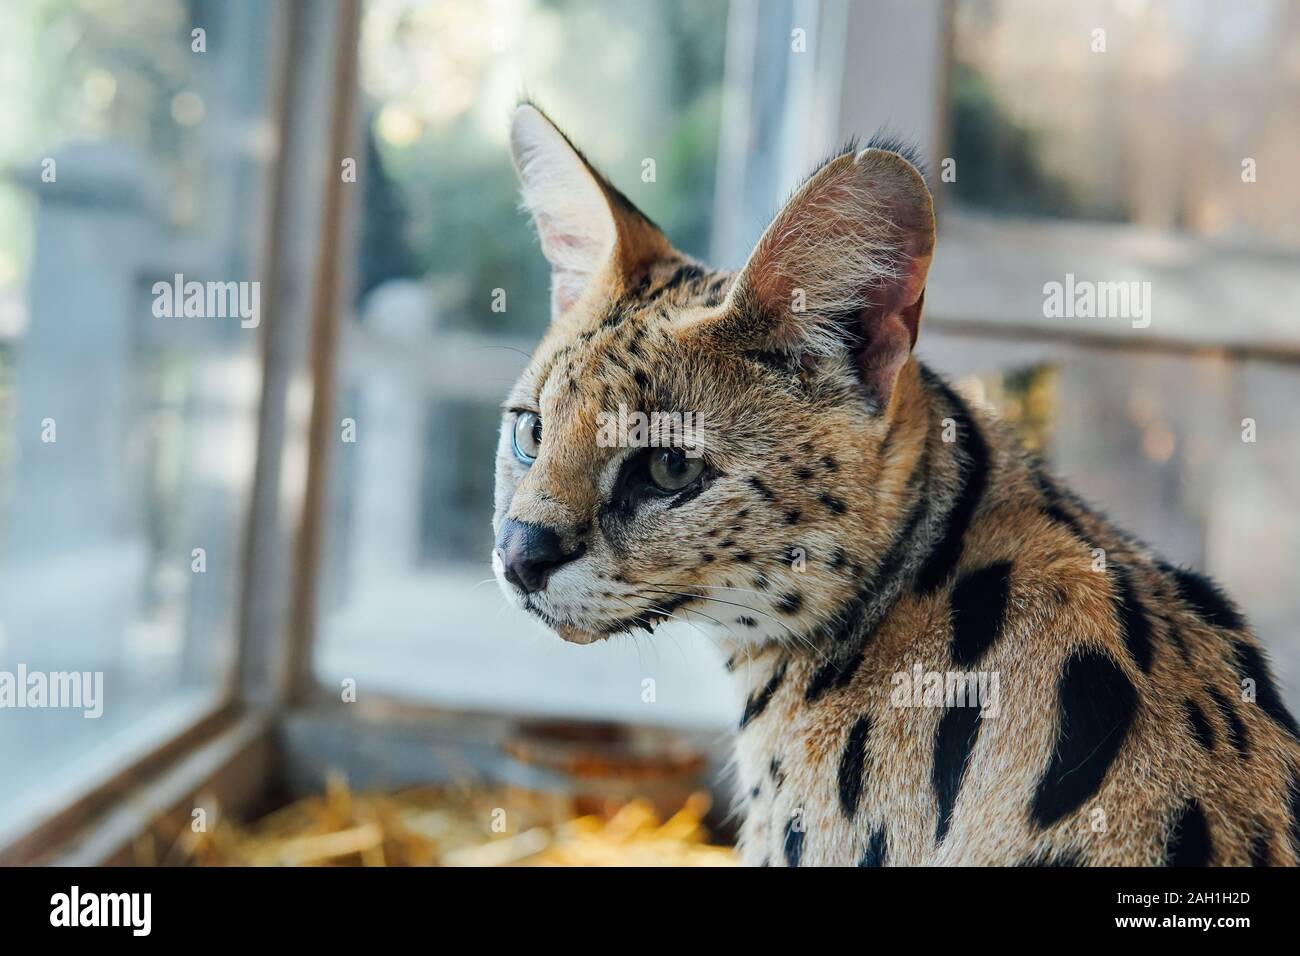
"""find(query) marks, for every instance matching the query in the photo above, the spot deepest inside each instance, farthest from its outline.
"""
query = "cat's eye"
(528, 436)
(672, 470)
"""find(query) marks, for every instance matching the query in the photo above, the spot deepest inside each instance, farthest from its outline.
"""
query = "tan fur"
(811, 554)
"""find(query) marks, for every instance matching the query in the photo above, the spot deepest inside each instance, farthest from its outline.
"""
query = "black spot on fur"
(877, 849)
(793, 843)
(719, 286)
(829, 463)
(759, 700)
(1237, 734)
(834, 674)
(974, 476)
(761, 582)
(832, 503)
(782, 363)
(1133, 623)
(1043, 859)
(852, 766)
(1056, 511)
(1054, 506)
(790, 602)
(775, 772)
(1253, 665)
(1097, 704)
(1174, 635)
(1200, 726)
(884, 579)
(746, 621)
(686, 273)
(803, 474)
(979, 605)
(763, 490)
(953, 743)
(837, 559)
(792, 516)
(1189, 839)
(1260, 847)
(743, 557)
(1204, 597)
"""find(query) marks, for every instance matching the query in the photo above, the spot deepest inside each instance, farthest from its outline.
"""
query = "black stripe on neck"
(942, 561)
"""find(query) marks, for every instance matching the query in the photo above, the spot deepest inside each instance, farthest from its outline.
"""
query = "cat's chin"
(576, 636)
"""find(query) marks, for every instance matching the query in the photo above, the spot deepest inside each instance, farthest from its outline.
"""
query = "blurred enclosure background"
(1122, 164)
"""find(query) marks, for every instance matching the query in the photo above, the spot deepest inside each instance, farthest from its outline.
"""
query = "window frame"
(220, 743)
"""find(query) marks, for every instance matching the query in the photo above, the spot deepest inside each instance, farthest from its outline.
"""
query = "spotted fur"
(857, 521)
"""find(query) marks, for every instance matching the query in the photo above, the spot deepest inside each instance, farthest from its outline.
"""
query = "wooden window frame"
(220, 744)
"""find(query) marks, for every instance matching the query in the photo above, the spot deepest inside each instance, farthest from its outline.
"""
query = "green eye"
(528, 436)
(671, 470)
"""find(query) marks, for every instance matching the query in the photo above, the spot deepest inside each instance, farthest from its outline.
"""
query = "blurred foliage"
(453, 214)
(998, 158)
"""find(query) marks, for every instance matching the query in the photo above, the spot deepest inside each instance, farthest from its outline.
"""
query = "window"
(1153, 174)
(1155, 134)
(135, 154)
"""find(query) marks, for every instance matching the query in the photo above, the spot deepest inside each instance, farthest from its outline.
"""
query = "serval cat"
(845, 523)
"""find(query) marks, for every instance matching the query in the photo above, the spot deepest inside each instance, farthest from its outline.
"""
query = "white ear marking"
(574, 222)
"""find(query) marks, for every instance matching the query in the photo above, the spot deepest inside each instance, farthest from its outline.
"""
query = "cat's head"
(745, 498)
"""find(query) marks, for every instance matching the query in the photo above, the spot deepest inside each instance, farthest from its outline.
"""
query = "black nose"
(530, 552)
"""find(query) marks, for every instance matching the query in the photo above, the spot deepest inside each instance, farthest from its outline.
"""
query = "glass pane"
(135, 149)
(1131, 111)
(408, 604)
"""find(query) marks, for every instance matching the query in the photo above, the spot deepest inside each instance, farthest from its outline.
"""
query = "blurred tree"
(998, 159)
(453, 188)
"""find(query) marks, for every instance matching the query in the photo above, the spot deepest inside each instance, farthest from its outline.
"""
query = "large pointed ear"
(843, 265)
(588, 229)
